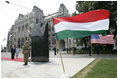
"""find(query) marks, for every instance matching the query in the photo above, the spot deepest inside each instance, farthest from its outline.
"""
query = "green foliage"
(73, 14)
(103, 49)
(111, 6)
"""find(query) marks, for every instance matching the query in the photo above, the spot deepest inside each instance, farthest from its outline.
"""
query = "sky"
(10, 12)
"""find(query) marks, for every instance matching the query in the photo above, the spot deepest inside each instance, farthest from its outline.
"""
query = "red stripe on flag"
(90, 16)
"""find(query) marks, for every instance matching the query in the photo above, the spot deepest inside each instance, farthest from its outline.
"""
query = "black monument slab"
(40, 49)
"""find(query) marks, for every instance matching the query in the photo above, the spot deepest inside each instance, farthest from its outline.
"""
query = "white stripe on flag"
(89, 26)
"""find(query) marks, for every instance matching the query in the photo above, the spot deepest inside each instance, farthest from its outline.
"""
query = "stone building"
(23, 25)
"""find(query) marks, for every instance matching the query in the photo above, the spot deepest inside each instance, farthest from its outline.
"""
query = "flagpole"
(91, 49)
(60, 56)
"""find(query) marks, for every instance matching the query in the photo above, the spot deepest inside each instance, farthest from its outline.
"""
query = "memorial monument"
(40, 47)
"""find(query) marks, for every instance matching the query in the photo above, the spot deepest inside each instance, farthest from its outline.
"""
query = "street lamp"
(17, 5)
(7, 2)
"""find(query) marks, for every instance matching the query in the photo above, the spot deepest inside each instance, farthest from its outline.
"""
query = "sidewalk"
(51, 69)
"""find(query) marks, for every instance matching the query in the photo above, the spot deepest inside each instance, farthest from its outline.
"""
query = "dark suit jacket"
(13, 50)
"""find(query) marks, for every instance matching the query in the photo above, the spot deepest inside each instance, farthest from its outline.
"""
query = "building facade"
(21, 30)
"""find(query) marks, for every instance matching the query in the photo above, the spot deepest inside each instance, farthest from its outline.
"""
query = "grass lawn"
(99, 68)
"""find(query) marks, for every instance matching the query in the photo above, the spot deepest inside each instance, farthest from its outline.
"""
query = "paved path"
(51, 69)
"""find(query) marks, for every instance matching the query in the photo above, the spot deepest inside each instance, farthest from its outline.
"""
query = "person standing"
(54, 50)
(13, 50)
(97, 49)
(17, 52)
(26, 51)
(90, 50)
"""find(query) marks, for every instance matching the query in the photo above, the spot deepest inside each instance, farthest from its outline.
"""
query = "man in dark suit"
(13, 50)
(54, 50)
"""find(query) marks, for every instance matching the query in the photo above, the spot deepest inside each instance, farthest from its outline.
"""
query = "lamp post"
(17, 5)
(7, 2)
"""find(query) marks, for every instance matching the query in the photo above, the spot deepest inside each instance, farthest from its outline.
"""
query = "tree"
(111, 6)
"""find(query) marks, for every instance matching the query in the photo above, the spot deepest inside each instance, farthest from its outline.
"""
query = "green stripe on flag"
(77, 34)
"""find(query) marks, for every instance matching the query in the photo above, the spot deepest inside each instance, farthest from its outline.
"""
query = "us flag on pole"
(99, 39)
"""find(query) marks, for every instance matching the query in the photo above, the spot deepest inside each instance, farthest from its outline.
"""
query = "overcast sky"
(9, 12)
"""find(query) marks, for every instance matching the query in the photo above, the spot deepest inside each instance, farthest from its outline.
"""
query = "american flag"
(99, 39)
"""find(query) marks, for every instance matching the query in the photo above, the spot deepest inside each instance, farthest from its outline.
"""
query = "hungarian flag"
(85, 24)
(99, 39)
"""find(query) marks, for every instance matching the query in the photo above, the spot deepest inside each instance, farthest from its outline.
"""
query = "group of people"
(25, 52)
(14, 50)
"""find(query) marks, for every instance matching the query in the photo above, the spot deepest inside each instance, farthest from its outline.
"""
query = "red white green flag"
(85, 24)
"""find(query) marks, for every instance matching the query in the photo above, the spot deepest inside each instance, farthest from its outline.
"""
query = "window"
(26, 26)
(52, 28)
(22, 27)
(19, 29)
(22, 42)
(26, 38)
(37, 20)
(30, 29)
(19, 43)
(41, 24)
